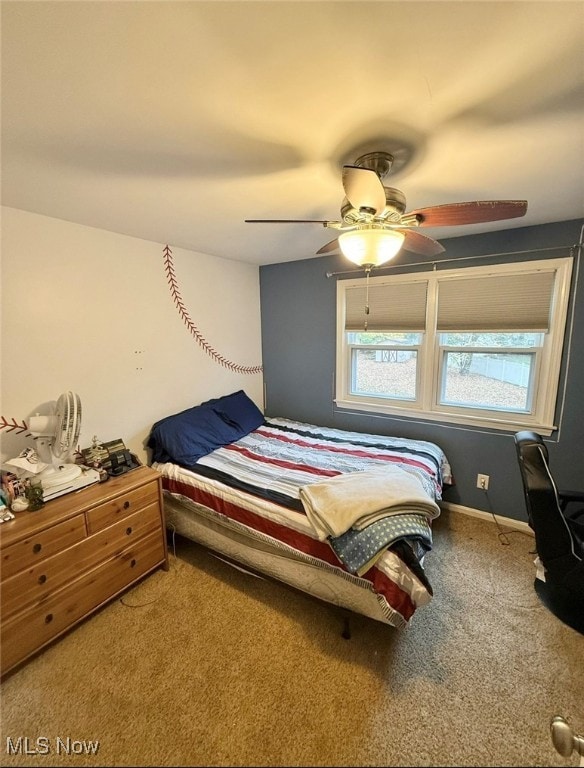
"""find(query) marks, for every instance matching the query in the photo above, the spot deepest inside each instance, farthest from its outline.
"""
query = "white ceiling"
(175, 121)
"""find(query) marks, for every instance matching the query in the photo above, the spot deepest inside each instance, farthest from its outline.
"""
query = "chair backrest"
(553, 537)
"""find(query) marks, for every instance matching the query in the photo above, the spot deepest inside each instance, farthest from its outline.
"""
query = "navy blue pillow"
(238, 409)
(186, 436)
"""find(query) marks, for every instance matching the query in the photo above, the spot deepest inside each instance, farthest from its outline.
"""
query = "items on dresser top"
(23, 488)
(5, 514)
(63, 562)
(111, 457)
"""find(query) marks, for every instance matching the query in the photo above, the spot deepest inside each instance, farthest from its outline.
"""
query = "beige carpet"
(204, 665)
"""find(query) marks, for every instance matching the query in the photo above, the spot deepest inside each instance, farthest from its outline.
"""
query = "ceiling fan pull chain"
(367, 272)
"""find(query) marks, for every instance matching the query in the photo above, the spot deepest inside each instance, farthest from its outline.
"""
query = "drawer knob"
(128, 530)
(48, 618)
(126, 505)
(42, 578)
(37, 548)
(133, 563)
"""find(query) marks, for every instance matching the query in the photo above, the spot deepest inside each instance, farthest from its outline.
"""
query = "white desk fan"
(56, 439)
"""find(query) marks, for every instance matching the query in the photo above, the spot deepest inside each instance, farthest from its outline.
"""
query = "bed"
(343, 516)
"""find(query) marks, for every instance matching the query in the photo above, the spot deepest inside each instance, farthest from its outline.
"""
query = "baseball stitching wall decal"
(12, 425)
(192, 328)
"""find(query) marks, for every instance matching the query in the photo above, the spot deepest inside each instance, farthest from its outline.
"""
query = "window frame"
(547, 366)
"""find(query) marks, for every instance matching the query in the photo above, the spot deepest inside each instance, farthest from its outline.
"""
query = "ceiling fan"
(374, 225)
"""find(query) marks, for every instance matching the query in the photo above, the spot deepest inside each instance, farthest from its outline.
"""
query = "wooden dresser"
(64, 561)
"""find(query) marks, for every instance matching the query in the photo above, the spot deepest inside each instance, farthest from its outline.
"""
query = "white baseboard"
(509, 522)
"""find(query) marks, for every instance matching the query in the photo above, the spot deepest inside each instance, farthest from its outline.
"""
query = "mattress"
(243, 500)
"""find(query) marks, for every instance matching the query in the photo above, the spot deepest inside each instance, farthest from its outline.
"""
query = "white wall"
(91, 311)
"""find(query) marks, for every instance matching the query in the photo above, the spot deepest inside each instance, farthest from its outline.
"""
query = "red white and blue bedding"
(256, 483)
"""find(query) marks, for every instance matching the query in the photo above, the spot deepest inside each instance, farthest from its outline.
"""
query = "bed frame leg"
(346, 633)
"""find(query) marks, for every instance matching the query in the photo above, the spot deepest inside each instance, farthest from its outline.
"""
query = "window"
(488, 370)
(479, 346)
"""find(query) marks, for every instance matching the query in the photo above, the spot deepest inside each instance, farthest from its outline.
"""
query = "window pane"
(487, 380)
(384, 373)
(370, 337)
(491, 339)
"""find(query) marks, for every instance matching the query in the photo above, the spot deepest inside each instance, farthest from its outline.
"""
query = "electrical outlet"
(483, 482)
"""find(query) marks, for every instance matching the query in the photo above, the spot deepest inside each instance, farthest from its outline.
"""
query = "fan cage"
(68, 424)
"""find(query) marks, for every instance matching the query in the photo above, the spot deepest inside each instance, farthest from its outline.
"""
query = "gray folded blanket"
(357, 499)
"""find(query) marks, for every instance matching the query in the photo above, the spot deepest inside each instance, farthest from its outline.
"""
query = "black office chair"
(559, 532)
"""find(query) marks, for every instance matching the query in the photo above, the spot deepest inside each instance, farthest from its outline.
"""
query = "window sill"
(446, 417)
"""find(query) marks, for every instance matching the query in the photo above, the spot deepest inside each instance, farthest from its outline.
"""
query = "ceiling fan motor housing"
(380, 162)
(395, 205)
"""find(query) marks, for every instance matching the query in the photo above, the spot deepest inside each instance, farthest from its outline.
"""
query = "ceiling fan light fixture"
(370, 247)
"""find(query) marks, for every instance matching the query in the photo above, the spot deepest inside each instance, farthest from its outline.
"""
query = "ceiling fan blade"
(363, 188)
(286, 221)
(419, 243)
(330, 247)
(475, 212)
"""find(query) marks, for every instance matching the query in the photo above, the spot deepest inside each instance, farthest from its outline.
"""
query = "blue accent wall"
(298, 311)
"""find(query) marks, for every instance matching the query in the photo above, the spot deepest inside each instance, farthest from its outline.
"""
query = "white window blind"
(504, 302)
(392, 307)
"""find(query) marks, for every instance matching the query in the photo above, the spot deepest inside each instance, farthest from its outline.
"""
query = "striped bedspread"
(256, 482)
(281, 456)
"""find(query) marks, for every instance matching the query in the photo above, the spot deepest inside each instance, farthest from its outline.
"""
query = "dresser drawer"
(30, 629)
(26, 553)
(36, 583)
(125, 504)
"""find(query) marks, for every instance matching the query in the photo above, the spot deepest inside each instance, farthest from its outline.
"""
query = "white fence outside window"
(501, 369)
